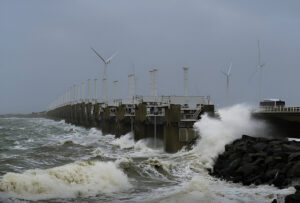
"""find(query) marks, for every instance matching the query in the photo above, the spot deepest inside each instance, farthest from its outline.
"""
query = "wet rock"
(247, 169)
(295, 170)
(274, 201)
(294, 198)
(251, 160)
(260, 146)
(294, 156)
(291, 147)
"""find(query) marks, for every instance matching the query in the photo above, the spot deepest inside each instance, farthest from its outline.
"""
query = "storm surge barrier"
(166, 118)
(169, 119)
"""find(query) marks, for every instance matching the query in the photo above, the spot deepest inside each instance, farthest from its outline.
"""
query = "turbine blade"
(229, 70)
(110, 58)
(224, 73)
(254, 73)
(259, 54)
(133, 67)
(98, 55)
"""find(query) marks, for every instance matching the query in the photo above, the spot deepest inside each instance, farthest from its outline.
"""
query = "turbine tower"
(185, 71)
(260, 67)
(228, 75)
(115, 89)
(104, 79)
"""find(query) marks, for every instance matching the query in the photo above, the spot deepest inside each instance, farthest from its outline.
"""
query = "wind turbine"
(228, 75)
(134, 77)
(106, 62)
(260, 67)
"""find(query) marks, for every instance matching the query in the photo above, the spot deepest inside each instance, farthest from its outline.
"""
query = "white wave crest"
(206, 189)
(124, 162)
(142, 149)
(216, 133)
(125, 141)
(62, 122)
(68, 181)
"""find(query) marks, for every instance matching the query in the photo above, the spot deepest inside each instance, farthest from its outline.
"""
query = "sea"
(43, 160)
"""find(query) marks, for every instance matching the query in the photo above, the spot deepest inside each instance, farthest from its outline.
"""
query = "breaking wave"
(216, 133)
(79, 179)
(125, 141)
(207, 189)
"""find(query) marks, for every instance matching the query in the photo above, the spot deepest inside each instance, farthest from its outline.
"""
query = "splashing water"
(78, 164)
(125, 141)
(71, 180)
(215, 133)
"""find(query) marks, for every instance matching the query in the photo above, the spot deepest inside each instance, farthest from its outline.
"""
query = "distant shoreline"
(31, 115)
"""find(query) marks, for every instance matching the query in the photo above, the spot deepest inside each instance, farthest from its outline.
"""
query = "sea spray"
(155, 175)
(68, 181)
(216, 133)
(207, 189)
(125, 141)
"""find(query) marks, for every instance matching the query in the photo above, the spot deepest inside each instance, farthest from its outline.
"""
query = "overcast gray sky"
(45, 48)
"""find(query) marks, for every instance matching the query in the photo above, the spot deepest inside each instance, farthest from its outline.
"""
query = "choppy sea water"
(49, 161)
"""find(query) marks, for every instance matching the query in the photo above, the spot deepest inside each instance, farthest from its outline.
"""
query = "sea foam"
(216, 133)
(125, 141)
(68, 181)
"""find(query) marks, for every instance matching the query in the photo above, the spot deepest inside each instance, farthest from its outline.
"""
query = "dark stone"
(291, 147)
(294, 156)
(269, 159)
(297, 187)
(293, 198)
(234, 164)
(259, 147)
(251, 160)
(271, 174)
(274, 201)
(256, 179)
(246, 169)
(295, 170)
(279, 181)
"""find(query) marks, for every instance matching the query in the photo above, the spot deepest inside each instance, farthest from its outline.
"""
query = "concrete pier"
(166, 119)
(283, 121)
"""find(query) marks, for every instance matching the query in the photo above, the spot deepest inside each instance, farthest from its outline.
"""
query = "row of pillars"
(164, 128)
(76, 93)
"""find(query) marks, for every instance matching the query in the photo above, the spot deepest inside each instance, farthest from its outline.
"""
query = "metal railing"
(279, 109)
(190, 102)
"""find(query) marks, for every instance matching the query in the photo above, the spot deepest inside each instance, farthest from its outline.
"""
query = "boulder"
(294, 156)
(293, 198)
(294, 171)
(252, 160)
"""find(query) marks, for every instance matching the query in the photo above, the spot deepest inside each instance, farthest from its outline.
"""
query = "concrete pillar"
(104, 90)
(89, 90)
(151, 83)
(88, 114)
(155, 92)
(171, 129)
(74, 93)
(185, 70)
(131, 87)
(115, 89)
(82, 91)
(95, 90)
(140, 130)
(96, 114)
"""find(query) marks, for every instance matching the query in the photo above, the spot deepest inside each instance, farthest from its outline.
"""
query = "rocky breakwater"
(252, 160)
